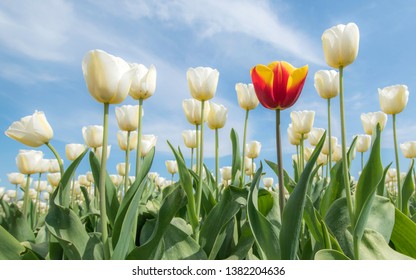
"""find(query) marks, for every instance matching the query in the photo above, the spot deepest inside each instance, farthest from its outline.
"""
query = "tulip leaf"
(265, 233)
(245, 243)
(289, 182)
(170, 206)
(232, 200)
(329, 254)
(112, 203)
(18, 225)
(40, 250)
(293, 211)
(10, 248)
(186, 183)
(236, 159)
(404, 234)
(408, 189)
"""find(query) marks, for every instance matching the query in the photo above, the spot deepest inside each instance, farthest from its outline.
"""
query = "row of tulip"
(307, 216)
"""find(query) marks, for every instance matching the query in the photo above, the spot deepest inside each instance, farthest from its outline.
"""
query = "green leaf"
(408, 189)
(170, 206)
(232, 200)
(404, 234)
(293, 211)
(265, 233)
(18, 225)
(329, 254)
(236, 160)
(10, 248)
(245, 243)
(288, 182)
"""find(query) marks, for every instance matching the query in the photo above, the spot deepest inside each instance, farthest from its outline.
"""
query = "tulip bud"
(363, 143)
(393, 99)
(268, 182)
(202, 82)
(337, 153)
(108, 77)
(83, 181)
(128, 117)
(16, 178)
(93, 135)
(90, 177)
(217, 116)
(148, 142)
(99, 152)
(253, 149)
(121, 169)
(189, 138)
(294, 138)
(247, 98)
(327, 83)
(408, 149)
(54, 179)
(308, 152)
(54, 165)
(172, 166)
(192, 109)
(226, 173)
(45, 196)
(122, 140)
(370, 121)
(40, 186)
(73, 151)
(144, 82)
(315, 135)
(33, 131)
(116, 179)
(28, 161)
(340, 44)
(302, 121)
(325, 148)
(11, 193)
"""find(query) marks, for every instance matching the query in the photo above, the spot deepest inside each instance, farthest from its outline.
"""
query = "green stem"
(197, 148)
(192, 158)
(26, 197)
(139, 138)
(280, 164)
(302, 154)
(362, 161)
(298, 159)
(345, 172)
(216, 160)
(37, 203)
(329, 136)
(200, 168)
(73, 191)
(243, 177)
(399, 186)
(61, 166)
(16, 198)
(126, 169)
(101, 188)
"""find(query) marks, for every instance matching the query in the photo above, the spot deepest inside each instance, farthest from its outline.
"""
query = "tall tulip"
(362, 146)
(340, 45)
(370, 121)
(148, 142)
(408, 149)
(393, 100)
(278, 86)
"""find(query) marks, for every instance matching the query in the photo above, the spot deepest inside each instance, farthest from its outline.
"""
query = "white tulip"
(363, 143)
(202, 82)
(217, 116)
(127, 117)
(144, 81)
(16, 178)
(73, 151)
(393, 99)
(408, 149)
(253, 149)
(192, 109)
(172, 166)
(370, 121)
(122, 140)
(315, 135)
(189, 138)
(302, 121)
(327, 83)
(246, 95)
(93, 135)
(28, 161)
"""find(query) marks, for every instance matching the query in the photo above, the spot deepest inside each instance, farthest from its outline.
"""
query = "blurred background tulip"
(93, 135)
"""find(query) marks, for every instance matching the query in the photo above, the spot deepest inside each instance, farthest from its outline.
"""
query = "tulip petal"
(262, 78)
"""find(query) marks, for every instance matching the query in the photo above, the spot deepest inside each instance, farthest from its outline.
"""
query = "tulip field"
(315, 211)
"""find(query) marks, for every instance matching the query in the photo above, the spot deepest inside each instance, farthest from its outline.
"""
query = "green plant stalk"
(126, 169)
(139, 138)
(61, 166)
(329, 136)
(396, 152)
(344, 150)
(216, 160)
(17, 194)
(298, 157)
(26, 197)
(243, 177)
(200, 168)
(72, 191)
(302, 154)
(197, 149)
(192, 158)
(362, 161)
(280, 164)
(101, 188)
(37, 204)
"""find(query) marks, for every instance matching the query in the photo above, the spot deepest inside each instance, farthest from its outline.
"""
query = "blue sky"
(42, 44)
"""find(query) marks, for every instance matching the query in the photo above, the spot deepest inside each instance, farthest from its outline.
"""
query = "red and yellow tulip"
(279, 84)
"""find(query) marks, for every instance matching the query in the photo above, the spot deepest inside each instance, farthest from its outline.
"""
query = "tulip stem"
(302, 154)
(329, 137)
(192, 158)
(197, 149)
(399, 186)
(26, 197)
(280, 164)
(200, 167)
(61, 166)
(139, 138)
(362, 161)
(216, 159)
(101, 188)
(126, 169)
(242, 180)
(297, 161)
(345, 172)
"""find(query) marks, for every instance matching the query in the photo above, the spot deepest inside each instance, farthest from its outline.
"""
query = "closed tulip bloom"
(28, 161)
(144, 81)
(226, 173)
(337, 153)
(202, 82)
(44, 166)
(40, 186)
(148, 142)
(308, 152)
(54, 165)
(122, 140)
(90, 177)
(340, 44)
(83, 180)
(33, 131)
(393, 99)
(268, 182)
(54, 179)
(11, 193)
(253, 149)
(16, 178)
(294, 138)
(116, 179)
(121, 168)
(315, 135)
(327, 83)
(363, 143)
(279, 84)
(192, 109)
(93, 135)
(408, 149)
(127, 117)
(108, 77)
(302, 121)
(370, 121)
(322, 159)
(73, 151)
(325, 148)
(99, 152)
(247, 98)
(172, 166)
(189, 138)
(217, 116)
